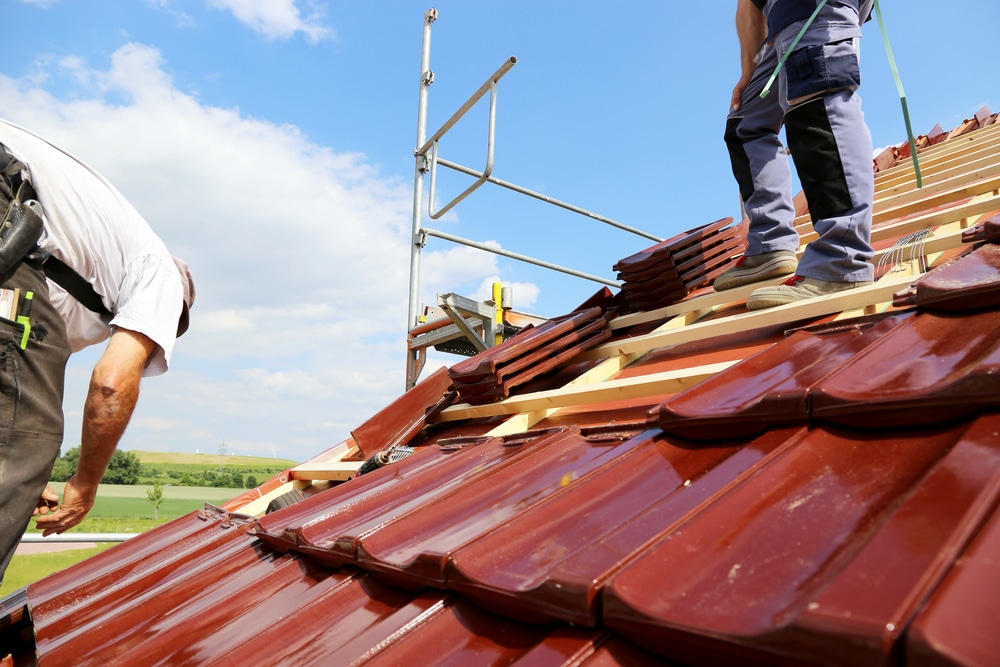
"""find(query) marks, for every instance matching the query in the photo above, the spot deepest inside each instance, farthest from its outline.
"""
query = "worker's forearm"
(106, 413)
(751, 28)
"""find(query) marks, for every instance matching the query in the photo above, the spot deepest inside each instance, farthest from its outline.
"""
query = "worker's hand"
(76, 502)
(737, 99)
(48, 502)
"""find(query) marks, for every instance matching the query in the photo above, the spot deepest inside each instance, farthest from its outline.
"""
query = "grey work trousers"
(817, 103)
(31, 417)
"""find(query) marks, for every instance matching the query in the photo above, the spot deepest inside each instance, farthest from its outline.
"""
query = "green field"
(170, 467)
(126, 509)
(213, 460)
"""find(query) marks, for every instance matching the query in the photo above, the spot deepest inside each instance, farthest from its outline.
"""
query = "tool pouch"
(20, 230)
(21, 226)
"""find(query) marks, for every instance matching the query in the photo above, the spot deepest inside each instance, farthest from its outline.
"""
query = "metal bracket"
(459, 307)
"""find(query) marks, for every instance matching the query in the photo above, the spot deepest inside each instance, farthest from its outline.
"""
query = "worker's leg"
(31, 420)
(760, 164)
(832, 149)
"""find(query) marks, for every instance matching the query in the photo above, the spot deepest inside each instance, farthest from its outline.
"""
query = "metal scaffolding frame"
(427, 160)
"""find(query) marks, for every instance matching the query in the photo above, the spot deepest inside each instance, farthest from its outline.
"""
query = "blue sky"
(270, 142)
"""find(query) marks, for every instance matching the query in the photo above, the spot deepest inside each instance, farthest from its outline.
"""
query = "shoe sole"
(772, 269)
(774, 297)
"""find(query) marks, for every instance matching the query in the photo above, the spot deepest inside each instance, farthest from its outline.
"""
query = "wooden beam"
(794, 312)
(714, 300)
(978, 206)
(961, 164)
(340, 471)
(656, 384)
(956, 181)
(939, 152)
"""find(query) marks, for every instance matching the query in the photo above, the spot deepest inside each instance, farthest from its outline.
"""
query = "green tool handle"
(23, 318)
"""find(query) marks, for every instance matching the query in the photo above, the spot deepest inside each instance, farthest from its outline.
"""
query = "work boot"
(754, 268)
(797, 288)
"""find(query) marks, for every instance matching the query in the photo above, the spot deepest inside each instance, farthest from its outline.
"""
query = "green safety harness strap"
(902, 95)
(795, 42)
(892, 65)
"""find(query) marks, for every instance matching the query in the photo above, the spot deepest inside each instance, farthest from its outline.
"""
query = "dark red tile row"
(534, 351)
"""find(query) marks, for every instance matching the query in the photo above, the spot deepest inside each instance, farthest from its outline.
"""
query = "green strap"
(795, 42)
(902, 95)
(892, 65)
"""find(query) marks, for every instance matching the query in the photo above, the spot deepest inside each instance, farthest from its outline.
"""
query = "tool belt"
(21, 228)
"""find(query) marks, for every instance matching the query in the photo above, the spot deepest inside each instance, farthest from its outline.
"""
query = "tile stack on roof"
(491, 375)
(668, 271)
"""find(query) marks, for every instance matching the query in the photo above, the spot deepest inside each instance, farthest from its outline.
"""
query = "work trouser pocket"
(820, 69)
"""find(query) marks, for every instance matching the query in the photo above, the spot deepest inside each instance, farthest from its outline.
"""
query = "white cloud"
(300, 253)
(44, 4)
(276, 19)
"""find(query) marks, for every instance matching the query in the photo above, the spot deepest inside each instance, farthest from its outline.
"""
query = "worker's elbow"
(110, 381)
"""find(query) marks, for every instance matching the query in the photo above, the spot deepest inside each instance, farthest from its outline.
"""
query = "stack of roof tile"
(490, 375)
(668, 271)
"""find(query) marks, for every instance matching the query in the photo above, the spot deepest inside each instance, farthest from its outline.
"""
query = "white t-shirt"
(92, 228)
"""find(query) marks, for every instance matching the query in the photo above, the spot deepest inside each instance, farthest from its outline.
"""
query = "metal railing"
(427, 160)
(36, 538)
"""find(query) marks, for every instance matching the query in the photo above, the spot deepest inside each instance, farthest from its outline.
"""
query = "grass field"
(119, 503)
(118, 509)
(207, 469)
(213, 460)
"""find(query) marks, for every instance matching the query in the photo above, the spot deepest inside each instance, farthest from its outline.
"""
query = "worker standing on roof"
(817, 102)
(109, 278)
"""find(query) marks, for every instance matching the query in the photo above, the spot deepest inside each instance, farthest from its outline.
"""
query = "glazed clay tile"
(933, 369)
(970, 282)
(731, 579)
(769, 388)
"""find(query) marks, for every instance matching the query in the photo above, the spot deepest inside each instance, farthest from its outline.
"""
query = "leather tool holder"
(21, 228)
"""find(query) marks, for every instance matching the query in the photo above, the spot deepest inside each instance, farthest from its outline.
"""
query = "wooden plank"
(960, 164)
(656, 384)
(939, 152)
(700, 304)
(713, 300)
(259, 505)
(971, 178)
(984, 186)
(963, 178)
(794, 312)
(331, 470)
(602, 372)
(980, 205)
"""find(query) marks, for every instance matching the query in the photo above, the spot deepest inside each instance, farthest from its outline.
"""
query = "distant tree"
(251, 482)
(65, 466)
(155, 496)
(123, 468)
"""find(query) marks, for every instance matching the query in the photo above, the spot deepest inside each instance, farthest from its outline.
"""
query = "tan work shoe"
(795, 289)
(754, 268)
